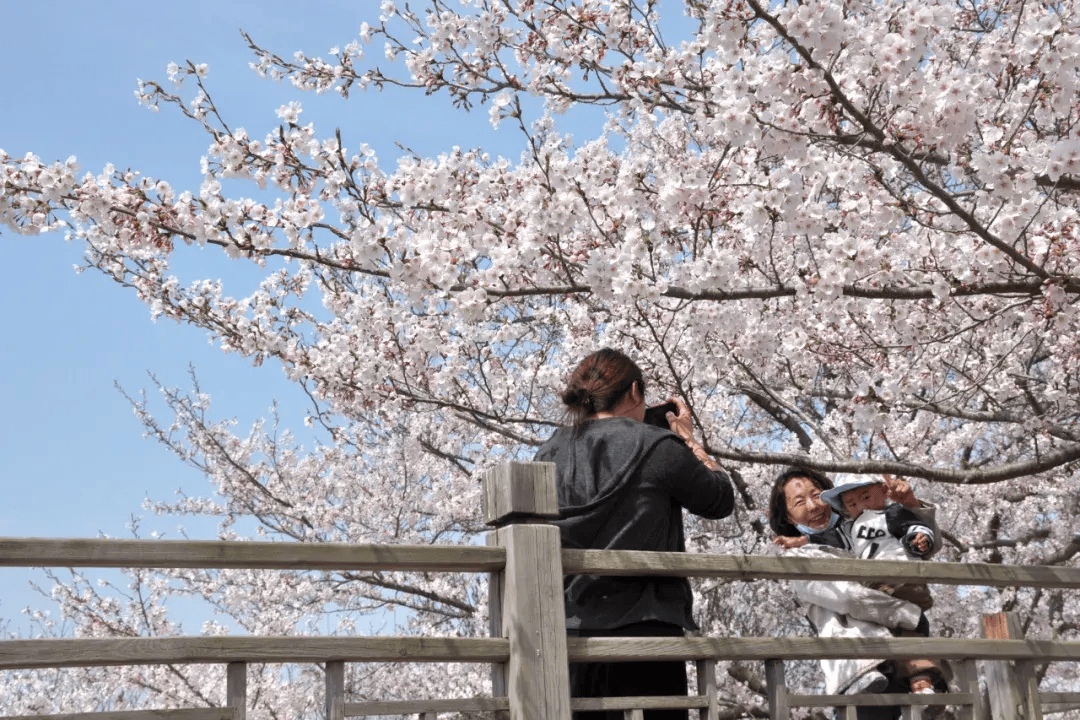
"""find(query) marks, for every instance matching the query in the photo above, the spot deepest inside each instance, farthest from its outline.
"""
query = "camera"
(658, 415)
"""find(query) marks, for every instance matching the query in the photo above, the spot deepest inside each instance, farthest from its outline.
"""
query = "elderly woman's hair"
(599, 382)
(778, 515)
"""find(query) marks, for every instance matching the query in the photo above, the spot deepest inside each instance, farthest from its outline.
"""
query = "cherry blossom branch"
(998, 473)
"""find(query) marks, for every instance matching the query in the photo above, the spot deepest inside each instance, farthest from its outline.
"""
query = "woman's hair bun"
(576, 397)
(599, 383)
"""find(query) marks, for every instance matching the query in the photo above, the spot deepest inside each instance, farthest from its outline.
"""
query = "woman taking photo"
(622, 485)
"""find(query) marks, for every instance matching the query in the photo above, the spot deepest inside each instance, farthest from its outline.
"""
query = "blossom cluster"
(845, 232)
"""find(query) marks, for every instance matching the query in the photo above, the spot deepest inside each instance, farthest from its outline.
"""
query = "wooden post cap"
(519, 492)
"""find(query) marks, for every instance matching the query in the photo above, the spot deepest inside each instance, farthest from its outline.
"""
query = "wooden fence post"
(518, 499)
(1013, 687)
(495, 615)
(236, 689)
(777, 690)
(706, 685)
(335, 690)
(968, 680)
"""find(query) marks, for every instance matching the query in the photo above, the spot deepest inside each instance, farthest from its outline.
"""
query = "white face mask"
(833, 519)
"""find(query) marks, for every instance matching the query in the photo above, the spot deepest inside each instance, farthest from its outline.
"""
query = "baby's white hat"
(833, 496)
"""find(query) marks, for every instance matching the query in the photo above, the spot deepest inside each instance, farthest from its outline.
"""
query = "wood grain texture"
(879, 699)
(43, 552)
(495, 619)
(17, 654)
(759, 567)
(706, 687)
(236, 689)
(911, 712)
(516, 490)
(534, 622)
(335, 690)
(967, 679)
(808, 648)
(1012, 688)
(222, 713)
(1060, 697)
(776, 690)
(370, 708)
(644, 702)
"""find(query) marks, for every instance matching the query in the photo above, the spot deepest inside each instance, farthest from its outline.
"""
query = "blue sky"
(74, 463)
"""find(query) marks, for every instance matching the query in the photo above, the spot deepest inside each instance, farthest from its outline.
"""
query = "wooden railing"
(528, 648)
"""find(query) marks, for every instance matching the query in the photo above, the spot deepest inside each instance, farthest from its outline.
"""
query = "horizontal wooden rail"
(21, 654)
(213, 713)
(42, 552)
(809, 648)
(1060, 697)
(880, 699)
(664, 702)
(371, 708)
(51, 552)
(761, 567)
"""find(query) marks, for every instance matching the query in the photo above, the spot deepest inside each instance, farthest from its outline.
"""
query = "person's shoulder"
(654, 430)
(626, 427)
(550, 448)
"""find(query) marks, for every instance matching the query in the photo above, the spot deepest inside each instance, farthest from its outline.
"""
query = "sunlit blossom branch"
(1046, 462)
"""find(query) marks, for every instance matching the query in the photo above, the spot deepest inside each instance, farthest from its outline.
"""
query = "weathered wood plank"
(335, 690)
(754, 567)
(776, 690)
(809, 648)
(370, 708)
(46, 552)
(1003, 685)
(533, 606)
(236, 689)
(645, 702)
(1059, 697)
(495, 619)
(706, 687)
(967, 679)
(215, 713)
(910, 712)
(877, 699)
(19, 654)
(52, 552)
(516, 490)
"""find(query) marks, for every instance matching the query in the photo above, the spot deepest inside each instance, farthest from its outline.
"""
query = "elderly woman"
(806, 525)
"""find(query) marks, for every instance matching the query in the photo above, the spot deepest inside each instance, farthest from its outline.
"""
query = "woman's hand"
(787, 543)
(683, 426)
(900, 491)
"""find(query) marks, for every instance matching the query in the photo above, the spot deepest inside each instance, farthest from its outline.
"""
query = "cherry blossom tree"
(846, 233)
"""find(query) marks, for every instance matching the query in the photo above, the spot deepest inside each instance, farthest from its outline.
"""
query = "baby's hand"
(787, 543)
(899, 491)
(921, 544)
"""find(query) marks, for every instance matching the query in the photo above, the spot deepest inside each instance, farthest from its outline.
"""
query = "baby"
(884, 530)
